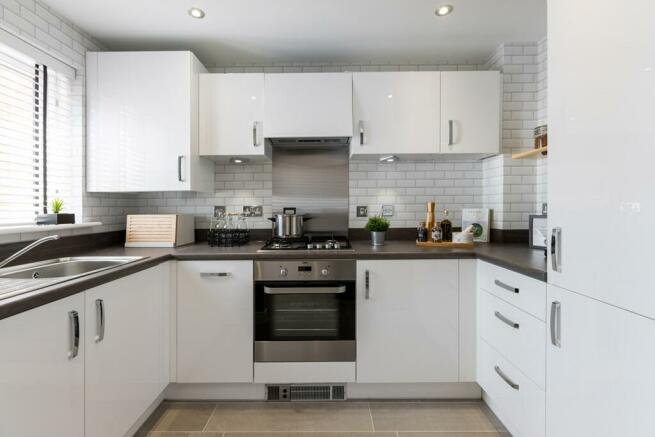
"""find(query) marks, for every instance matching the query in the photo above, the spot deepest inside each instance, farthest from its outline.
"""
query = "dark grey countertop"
(515, 257)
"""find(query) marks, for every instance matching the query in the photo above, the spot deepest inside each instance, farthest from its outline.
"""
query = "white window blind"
(35, 124)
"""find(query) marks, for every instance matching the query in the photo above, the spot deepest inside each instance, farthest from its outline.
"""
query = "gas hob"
(307, 243)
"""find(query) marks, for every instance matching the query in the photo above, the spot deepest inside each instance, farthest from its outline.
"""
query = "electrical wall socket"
(219, 210)
(362, 211)
(387, 210)
(253, 211)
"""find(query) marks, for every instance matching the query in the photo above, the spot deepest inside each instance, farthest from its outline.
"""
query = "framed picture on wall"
(538, 231)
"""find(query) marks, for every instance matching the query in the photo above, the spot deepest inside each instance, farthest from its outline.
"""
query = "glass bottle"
(421, 232)
(436, 233)
(446, 227)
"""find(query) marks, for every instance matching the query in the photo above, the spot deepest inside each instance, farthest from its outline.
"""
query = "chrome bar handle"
(100, 321)
(556, 324)
(450, 132)
(74, 324)
(309, 290)
(505, 320)
(367, 282)
(254, 134)
(361, 132)
(506, 287)
(179, 168)
(506, 378)
(556, 249)
(215, 274)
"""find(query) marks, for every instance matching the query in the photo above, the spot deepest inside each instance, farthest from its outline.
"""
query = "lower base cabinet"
(126, 340)
(41, 373)
(407, 321)
(600, 364)
(214, 321)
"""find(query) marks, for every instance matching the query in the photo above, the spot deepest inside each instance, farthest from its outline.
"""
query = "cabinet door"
(607, 108)
(407, 321)
(600, 379)
(395, 113)
(124, 350)
(214, 321)
(470, 112)
(308, 105)
(41, 382)
(231, 114)
(140, 121)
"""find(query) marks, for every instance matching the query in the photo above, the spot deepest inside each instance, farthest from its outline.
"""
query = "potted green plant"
(56, 218)
(378, 227)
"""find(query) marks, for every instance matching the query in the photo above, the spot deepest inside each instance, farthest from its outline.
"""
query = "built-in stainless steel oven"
(305, 310)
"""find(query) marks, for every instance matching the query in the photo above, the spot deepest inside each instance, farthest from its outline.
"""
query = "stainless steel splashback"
(314, 180)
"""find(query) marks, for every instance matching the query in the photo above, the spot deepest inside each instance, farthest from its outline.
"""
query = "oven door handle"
(305, 290)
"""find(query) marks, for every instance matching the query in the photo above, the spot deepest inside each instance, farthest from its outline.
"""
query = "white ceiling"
(262, 32)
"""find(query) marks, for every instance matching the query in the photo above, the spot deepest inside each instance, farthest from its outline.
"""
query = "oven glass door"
(304, 311)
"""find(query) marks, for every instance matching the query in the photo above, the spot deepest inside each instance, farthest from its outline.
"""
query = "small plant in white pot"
(378, 227)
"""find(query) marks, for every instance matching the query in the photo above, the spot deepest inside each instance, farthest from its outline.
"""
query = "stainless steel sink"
(28, 277)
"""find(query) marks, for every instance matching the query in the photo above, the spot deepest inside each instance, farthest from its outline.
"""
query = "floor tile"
(454, 434)
(431, 416)
(312, 434)
(178, 434)
(179, 416)
(293, 416)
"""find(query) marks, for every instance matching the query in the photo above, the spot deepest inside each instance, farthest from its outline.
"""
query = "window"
(35, 137)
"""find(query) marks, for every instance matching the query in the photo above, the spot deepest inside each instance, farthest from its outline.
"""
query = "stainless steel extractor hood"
(310, 142)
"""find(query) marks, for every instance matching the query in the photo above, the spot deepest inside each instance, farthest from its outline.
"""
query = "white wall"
(514, 189)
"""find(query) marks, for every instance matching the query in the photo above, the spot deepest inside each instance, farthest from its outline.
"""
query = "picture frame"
(538, 231)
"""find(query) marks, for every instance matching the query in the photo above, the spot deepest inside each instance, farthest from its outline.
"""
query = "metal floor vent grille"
(306, 392)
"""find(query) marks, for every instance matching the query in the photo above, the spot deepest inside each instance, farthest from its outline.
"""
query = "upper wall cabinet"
(470, 112)
(308, 105)
(231, 114)
(142, 113)
(396, 112)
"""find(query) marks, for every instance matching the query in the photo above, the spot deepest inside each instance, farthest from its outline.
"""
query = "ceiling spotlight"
(236, 160)
(388, 159)
(444, 10)
(197, 13)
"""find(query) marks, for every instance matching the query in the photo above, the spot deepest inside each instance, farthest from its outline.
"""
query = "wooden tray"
(445, 245)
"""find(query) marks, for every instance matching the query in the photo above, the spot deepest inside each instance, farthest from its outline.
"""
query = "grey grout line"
(204, 428)
(370, 413)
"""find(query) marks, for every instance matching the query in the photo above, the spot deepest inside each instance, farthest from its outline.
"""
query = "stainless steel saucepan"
(288, 224)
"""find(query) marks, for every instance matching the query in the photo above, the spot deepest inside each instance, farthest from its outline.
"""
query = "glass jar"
(421, 233)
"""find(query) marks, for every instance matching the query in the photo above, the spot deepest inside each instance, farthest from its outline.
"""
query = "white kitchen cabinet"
(407, 321)
(214, 321)
(231, 114)
(308, 105)
(41, 382)
(517, 401)
(142, 115)
(600, 377)
(470, 112)
(126, 335)
(396, 112)
(607, 108)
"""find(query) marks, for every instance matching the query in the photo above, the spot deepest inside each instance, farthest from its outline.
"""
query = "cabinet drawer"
(521, 291)
(515, 334)
(515, 398)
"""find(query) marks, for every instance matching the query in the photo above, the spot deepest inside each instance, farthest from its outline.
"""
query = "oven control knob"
(283, 271)
(325, 272)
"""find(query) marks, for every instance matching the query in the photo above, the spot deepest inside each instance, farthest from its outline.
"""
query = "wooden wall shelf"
(530, 153)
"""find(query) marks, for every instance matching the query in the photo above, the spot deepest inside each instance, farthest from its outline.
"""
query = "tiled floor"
(323, 419)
